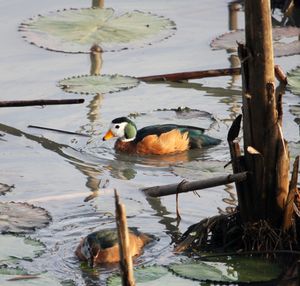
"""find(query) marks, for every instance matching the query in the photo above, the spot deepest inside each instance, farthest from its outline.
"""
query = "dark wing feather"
(196, 134)
(107, 238)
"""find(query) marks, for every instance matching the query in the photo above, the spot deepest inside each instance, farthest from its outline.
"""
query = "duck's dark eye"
(117, 126)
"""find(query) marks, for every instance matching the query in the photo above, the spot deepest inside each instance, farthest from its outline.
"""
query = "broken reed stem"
(289, 206)
(185, 186)
(40, 102)
(238, 166)
(126, 266)
(282, 173)
(192, 75)
(280, 75)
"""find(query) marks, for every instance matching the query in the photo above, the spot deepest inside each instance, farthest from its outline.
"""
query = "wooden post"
(96, 60)
(233, 8)
(123, 236)
(262, 129)
(97, 3)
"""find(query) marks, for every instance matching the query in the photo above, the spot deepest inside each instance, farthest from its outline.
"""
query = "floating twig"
(171, 189)
(23, 277)
(58, 130)
(40, 102)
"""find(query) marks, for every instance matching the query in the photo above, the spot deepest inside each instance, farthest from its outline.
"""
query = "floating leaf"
(154, 276)
(5, 188)
(233, 269)
(179, 115)
(294, 81)
(76, 30)
(19, 277)
(97, 84)
(188, 113)
(22, 217)
(284, 44)
(14, 247)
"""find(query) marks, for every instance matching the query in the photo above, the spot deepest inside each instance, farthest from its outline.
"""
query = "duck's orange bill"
(108, 135)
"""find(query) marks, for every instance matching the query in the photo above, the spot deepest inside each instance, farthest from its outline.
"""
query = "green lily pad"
(76, 30)
(5, 188)
(14, 248)
(152, 276)
(285, 41)
(237, 269)
(22, 217)
(294, 81)
(19, 277)
(97, 84)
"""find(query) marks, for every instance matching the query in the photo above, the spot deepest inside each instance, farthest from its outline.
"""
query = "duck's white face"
(118, 129)
(125, 131)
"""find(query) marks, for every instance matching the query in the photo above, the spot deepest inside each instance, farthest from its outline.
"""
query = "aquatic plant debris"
(285, 41)
(153, 275)
(14, 248)
(22, 217)
(97, 84)
(294, 81)
(19, 277)
(4, 188)
(76, 30)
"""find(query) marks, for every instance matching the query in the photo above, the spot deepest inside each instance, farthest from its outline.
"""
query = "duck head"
(122, 128)
(89, 251)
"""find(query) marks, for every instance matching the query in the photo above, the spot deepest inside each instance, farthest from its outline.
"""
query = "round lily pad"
(76, 30)
(294, 81)
(22, 217)
(179, 115)
(19, 277)
(285, 41)
(154, 276)
(97, 84)
(237, 269)
(5, 188)
(14, 248)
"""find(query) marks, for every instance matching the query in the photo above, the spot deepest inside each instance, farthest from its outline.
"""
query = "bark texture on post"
(262, 126)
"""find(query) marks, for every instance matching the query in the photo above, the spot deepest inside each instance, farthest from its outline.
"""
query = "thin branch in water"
(58, 130)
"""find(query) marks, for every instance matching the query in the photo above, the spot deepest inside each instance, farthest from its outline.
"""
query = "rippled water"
(58, 172)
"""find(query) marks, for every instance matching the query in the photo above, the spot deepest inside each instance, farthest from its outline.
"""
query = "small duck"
(157, 139)
(102, 246)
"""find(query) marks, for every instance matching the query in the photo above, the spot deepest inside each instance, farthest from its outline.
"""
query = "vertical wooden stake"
(260, 116)
(96, 60)
(233, 15)
(123, 236)
(97, 3)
